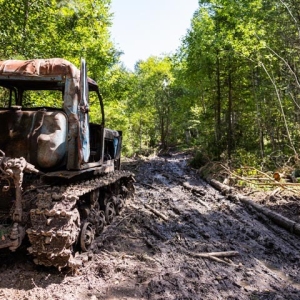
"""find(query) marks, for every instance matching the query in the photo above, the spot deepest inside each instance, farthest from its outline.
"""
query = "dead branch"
(221, 260)
(281, 184)
(249, 180)
(224, 189)
(278, 219)
(156, 212)
(259, 172)
(217, 254)
(203, 203)
(274, 182)
(255, 178)
(273, 193)
(214, 255)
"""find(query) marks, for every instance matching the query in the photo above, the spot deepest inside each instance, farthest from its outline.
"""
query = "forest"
(209, 131)
(231, 90)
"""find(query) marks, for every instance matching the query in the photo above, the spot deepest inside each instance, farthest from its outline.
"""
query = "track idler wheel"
(110, 212)
(87, 236)
(100, 222)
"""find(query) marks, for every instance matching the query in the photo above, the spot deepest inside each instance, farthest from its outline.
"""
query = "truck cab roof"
(39, 74)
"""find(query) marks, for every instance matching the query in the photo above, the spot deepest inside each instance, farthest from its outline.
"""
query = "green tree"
(152, 102)
(58, 28)
(234, 58)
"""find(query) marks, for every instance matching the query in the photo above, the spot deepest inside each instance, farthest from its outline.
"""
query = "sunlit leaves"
(240, 61)
(50, 28)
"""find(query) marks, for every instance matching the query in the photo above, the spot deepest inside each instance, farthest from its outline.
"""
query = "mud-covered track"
(56, 222)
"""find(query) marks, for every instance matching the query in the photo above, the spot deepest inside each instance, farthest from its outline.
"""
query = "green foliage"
(43, 98)
(53, 28)
(242, 158)
(58, 28)
(232, 63)
(151, 103)
(231, 90)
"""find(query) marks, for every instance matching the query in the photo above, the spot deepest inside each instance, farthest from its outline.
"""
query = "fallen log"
(278, 219)
(224, 189)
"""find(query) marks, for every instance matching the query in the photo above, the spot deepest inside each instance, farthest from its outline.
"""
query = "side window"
(6, 96)
(95, 114)
(42, 98)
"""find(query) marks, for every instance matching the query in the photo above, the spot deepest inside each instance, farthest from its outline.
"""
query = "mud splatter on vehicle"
(60, 174)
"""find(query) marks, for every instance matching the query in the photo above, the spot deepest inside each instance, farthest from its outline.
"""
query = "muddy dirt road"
(157, 248)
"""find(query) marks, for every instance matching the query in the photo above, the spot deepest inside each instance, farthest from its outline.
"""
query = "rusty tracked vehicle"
(60, 175)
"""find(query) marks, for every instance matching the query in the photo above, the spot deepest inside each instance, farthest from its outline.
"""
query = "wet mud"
(178, 238)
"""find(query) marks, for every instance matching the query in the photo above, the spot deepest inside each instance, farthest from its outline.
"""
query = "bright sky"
(142, 28)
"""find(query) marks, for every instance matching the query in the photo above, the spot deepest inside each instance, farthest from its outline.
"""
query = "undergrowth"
(245, 170)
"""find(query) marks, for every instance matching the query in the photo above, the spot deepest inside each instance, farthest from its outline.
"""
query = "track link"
(56, 224)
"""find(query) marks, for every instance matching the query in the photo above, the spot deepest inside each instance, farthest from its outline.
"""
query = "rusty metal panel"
(71, 75)
(38, 67)
(38, 136)
(75, 101)
(52, 140)
(16, 127)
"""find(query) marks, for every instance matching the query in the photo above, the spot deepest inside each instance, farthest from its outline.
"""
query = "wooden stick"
(221, 260)
(215, 254)
(203, 203)
(156, 212)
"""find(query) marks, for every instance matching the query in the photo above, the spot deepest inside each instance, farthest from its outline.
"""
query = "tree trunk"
(278, 219)
(218, 108)
(229, 118)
